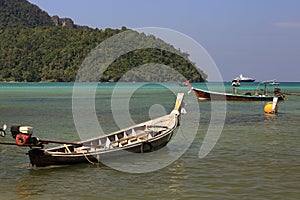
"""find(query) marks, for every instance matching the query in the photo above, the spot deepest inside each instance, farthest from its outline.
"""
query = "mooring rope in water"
(182, 133)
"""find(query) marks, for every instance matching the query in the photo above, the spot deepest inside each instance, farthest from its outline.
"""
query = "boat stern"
(37, 157)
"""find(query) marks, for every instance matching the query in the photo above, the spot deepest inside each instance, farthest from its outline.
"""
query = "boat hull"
(247, 81)
(41, 158)
(206, 95)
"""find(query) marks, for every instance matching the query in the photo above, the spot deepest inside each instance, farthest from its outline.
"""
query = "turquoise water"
(256, 156)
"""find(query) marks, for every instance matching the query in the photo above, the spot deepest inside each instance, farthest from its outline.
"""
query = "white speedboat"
(242, 78)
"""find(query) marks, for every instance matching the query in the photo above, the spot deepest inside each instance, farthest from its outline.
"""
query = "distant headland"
(37, 47)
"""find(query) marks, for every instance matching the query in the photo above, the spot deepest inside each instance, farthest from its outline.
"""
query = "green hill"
(37, 47)
(18, 13)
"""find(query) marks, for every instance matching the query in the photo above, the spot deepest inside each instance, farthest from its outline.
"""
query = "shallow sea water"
(256, 156)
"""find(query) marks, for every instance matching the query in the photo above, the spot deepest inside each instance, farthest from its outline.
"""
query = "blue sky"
(259, 38)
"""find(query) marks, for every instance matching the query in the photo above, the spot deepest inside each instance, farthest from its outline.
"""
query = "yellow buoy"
(269, 108)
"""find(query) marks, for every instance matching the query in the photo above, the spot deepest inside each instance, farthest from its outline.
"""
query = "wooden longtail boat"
(208, 95)
(144, 137)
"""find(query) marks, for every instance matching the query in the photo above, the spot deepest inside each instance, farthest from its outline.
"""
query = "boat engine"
(22, 134)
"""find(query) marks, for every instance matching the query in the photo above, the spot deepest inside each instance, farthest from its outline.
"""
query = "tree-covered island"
(37, 47)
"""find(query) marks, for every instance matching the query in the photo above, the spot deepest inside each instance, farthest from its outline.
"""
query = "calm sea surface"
(256, 156)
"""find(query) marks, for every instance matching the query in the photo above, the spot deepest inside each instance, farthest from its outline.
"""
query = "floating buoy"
(271, 107)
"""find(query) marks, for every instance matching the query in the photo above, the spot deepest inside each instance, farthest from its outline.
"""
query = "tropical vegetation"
(34, 48)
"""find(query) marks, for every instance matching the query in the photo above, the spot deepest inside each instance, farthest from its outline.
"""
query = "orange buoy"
(269, 108)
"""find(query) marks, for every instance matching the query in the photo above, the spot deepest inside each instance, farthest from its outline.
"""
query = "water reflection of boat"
(239, 94)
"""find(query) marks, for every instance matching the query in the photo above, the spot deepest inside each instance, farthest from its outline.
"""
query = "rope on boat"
(93, 163)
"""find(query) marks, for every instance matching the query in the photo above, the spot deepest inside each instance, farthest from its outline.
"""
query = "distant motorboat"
(242, 78)
(273, 82)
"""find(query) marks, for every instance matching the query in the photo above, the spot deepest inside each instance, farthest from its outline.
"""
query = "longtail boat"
(141, 138)
(235, 96)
